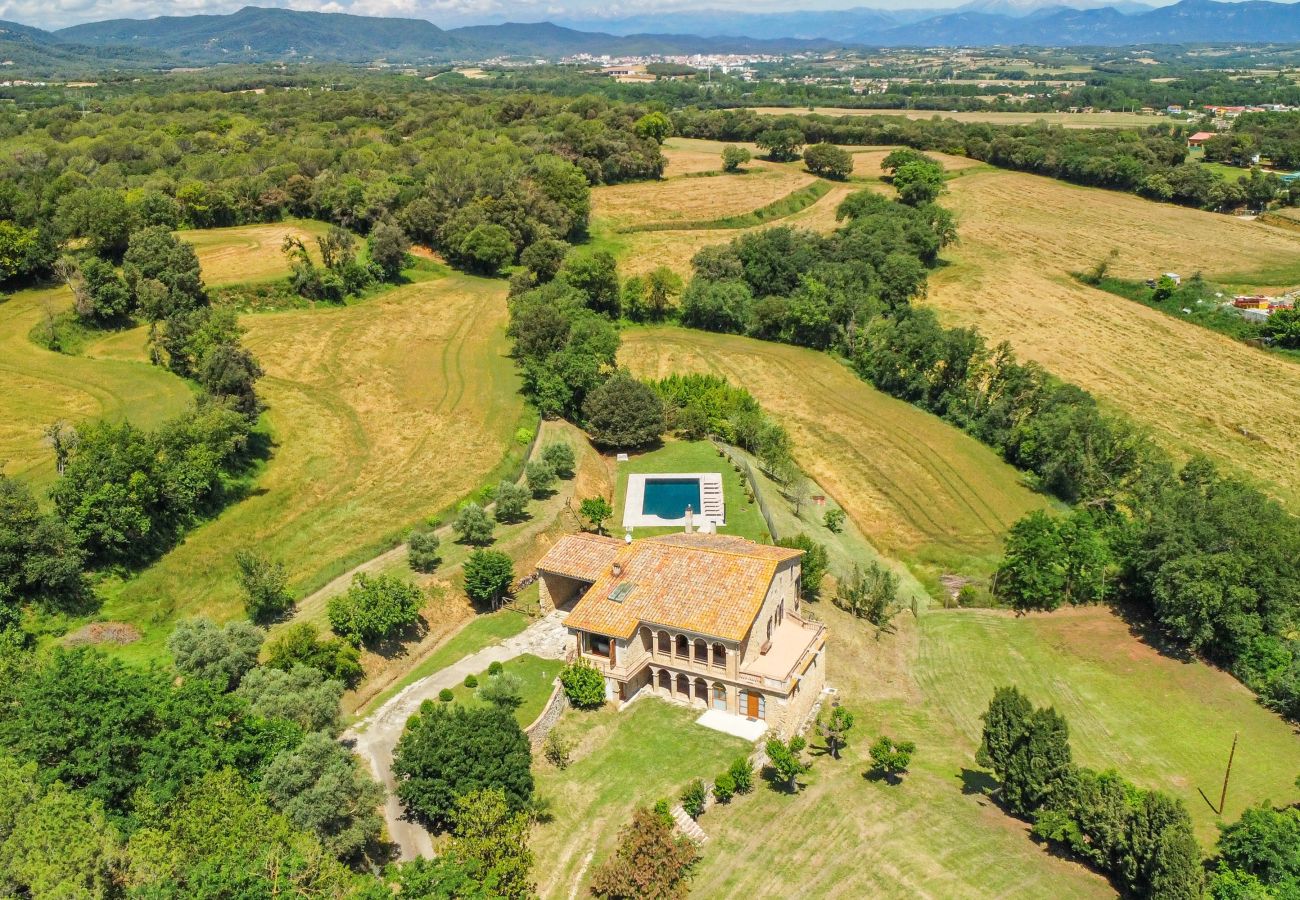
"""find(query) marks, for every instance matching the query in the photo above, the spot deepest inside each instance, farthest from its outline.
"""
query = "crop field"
(41, 386)
(1020, 238)
(249, 252)
(936, 834)
(368, 406)
(866, 163)
(918, 488)
(690, 199)
(1069, 120)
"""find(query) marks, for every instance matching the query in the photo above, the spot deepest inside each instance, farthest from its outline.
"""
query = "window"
(598, 645)
(719, 696)
(664, 643)
(683, 646)
(701, 652)
(769, 630)
(719, 655)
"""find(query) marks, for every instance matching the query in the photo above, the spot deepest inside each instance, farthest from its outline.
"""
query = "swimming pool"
(667, 498)
(659, 500)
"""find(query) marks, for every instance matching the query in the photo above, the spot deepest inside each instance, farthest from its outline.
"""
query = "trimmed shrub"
(742, 774)
(471, 681)
(446, 696)
(583, 685)
(724, 787)
(693, 799)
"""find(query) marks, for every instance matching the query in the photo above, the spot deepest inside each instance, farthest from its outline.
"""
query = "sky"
(448, 13)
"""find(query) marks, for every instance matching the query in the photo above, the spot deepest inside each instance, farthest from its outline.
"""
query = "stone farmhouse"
(708, 619)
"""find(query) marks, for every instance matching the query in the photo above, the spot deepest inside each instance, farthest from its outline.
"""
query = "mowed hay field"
(918, 488)
(381, 413)
(1069, 120)
(1162, 723)
(249, 252)
(1020, 238)
(695, 199)
(38, 387)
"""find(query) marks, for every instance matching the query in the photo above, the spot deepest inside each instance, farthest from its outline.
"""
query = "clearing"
(1020, 238)
(937, 834)
(918, 488)
(249, 253)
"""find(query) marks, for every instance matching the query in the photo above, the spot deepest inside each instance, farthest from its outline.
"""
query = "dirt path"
(374, 737)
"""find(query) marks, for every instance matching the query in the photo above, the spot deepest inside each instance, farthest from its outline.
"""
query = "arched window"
(683, 686)
(664, 643)
(701, 651)
(702, 691)
(683, 645)
(719, 696)
(666, 680)
(719, 655)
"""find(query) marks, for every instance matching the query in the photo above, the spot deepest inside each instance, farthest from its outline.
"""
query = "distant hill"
(254, 34)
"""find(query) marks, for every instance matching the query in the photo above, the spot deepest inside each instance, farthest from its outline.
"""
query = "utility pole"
(1223, 795)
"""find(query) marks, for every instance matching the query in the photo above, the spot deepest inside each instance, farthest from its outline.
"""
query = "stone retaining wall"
(545, 721)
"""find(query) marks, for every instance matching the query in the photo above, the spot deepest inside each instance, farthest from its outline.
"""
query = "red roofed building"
(1199, 139)
(713, 620)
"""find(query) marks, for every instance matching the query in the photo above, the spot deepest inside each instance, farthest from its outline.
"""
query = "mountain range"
(256, 34)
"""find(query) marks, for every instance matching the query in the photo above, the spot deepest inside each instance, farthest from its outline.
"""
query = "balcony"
(793, 643)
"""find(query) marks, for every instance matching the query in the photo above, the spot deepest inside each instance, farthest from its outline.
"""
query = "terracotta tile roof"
(583, 556)
(707, 584)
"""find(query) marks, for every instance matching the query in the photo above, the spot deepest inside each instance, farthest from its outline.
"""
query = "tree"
(1283, 328)
(1028, 750)
(693, 798)
(870, 593)
(40, 559)
(828, 161)
(487, 249)
(61, 845)
(781, 144)
(583, 685)
(302, 695)
(918, 182)
(1264, 843)
(374, 608)
(319, 787)
(264, 583)
(388, 246)
(298, 644)
(1164, 289)
(834, 520)
(511, 502)
(813, 565)
(597, 511)
(654, 125)
(156, 258)
(489, 575)
(834, 728)
(724, 788)
(559, 456)
(104, 297)
(229, 372)
(222, 837)
(557, 748)
(1047, 561)
(99, 215)
(544, 257)
(733, 157)
(540, 477)
(448, 751)
(472, 525)
(890, 758)
(491, 838)
(222, 655)
(652, 862)
(741, 771)
(624, 412)
(595, 276)
(422, 549)
(662, 286)
(786, 758)
(502, 689)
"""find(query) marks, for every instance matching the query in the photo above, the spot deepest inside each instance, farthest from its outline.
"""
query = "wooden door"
(751, 704)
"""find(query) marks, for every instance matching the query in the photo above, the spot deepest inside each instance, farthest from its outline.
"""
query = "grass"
(793, 202)
(249, 253)
(1020, 238)
(537, 676)
(369, 405)
(919, 489)
(649, 751)
(41, 386)
(937, 833)
(685, 200)
(1068, 120)
(743, 515)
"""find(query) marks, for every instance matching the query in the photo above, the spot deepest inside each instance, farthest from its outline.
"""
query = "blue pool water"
(668, 498)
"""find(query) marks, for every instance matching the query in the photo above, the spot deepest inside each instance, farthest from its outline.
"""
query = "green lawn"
(743, 515)
(538, 678)
(649, 751)
(1161, 722)
(482, 631)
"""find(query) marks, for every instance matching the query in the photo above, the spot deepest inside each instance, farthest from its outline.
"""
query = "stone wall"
(545, 721)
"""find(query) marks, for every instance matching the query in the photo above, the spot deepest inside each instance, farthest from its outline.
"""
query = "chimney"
(616, 570)
(690, 519)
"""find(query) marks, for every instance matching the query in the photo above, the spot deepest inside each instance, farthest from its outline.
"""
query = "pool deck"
(713, 511)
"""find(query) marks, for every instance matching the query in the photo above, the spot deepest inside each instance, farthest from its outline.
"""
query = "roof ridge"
(654, 540)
